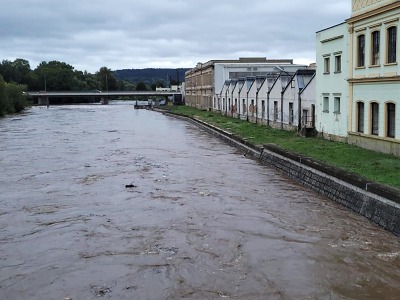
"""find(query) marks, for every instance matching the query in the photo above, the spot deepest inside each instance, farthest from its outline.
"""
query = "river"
(116, 203)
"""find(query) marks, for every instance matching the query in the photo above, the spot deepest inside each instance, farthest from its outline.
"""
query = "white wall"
(332, 42)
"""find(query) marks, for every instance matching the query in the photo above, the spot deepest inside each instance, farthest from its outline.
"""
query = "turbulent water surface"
(113, 202)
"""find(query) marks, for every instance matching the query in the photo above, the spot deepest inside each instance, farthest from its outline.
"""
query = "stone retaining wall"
(377, 202)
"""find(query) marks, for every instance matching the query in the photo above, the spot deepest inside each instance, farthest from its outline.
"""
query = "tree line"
(17, 77)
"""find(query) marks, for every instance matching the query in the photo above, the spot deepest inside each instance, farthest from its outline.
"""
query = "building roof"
(242, 61)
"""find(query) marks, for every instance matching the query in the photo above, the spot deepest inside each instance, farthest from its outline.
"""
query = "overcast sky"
(126, 34)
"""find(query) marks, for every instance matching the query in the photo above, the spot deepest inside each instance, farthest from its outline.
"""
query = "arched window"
(392, 44)
(361, 50)
(375, 118)
(360, 117)
(376, 40)
(390, 120)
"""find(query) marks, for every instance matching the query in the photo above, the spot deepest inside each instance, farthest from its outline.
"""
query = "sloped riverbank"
(377, 202)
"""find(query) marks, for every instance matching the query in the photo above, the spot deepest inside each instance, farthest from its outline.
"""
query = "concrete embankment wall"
(377, 202)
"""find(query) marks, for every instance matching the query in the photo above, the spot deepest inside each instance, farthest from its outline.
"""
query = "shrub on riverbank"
(372, 165)
(12, 98)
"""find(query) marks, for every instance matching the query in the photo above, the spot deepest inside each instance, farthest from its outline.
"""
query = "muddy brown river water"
(198, 220)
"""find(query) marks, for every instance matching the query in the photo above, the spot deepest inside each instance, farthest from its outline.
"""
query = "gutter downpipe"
(299, 113)
(232, 102)
(283, 91)
(226, 103)
(268, 106)
(239, 104)
(256, 106)
(247, 103)
(226, 97)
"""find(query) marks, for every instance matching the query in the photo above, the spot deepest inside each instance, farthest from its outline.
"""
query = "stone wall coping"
(382, 190)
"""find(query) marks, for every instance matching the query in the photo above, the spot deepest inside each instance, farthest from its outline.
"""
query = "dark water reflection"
(201, 222)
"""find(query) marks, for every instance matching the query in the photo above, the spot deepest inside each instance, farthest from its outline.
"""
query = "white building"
(358, 77)
(298, 101)
(204, 83)
(332, 86)
(279, 99)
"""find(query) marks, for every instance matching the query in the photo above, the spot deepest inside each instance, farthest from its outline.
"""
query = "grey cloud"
(135, 34)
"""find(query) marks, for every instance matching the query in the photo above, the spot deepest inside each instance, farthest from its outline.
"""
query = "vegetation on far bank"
(60, 76)
(372, 165)
(12, 98)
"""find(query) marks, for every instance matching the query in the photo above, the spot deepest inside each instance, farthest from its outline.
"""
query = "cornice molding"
(374, 12)
(374, 79)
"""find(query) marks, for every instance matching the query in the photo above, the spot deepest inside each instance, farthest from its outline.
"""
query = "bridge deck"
(102, 94)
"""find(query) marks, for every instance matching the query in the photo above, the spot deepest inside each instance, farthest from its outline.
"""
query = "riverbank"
(378, 202)
(373, 166)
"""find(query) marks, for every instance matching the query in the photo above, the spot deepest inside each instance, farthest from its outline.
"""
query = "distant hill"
(151, 75)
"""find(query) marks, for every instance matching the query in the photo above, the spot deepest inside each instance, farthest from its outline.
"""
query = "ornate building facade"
(358, 77)
(374, 75)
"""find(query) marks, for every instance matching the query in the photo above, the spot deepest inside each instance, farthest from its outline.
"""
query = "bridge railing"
(100, 93)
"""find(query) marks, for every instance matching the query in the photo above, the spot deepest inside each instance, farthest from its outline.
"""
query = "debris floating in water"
(130, 186)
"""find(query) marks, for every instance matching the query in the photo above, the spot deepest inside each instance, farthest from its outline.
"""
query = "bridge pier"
(43, 101)
(104, 100)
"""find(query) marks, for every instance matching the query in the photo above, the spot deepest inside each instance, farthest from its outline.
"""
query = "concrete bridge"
(43, 96)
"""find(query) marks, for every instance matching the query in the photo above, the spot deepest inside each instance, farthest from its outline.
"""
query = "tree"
(157, 84)
(3, 97)
(21, 71)
(18, 71)
(6, 70)
(141, 86)
(17, 99)
(55, 75)
(12, 97)
(107, 79)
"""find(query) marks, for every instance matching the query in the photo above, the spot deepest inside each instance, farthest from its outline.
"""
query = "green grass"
(372, 165)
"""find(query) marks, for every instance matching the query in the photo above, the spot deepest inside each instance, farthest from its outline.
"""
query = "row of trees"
(55, 75)
(60, 76)
(17, 76)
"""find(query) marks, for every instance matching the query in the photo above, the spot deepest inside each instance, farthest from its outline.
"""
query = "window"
(392, 45)
(275, 110)
(390, 119)
(375, 37)
(360, 117)
(361, 51)
(338, 63)
(305, 117)
(244, 106)
(325, 104)
(291, 113)
(263, 109)
(223, 103)
(374, 118)
(336, 105)
(252, 108)
(326, 65)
